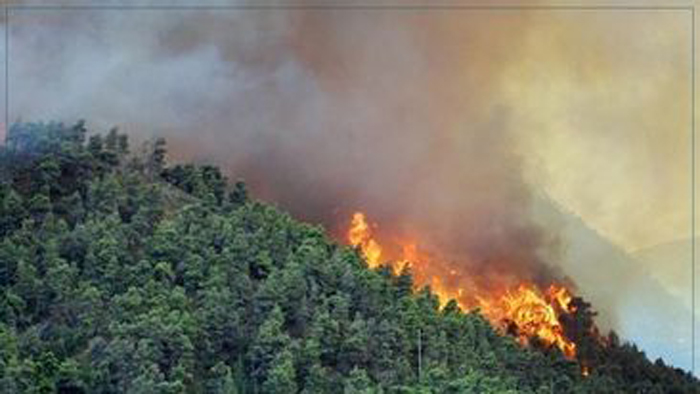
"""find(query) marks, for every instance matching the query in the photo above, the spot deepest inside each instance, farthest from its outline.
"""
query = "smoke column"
(482, 133)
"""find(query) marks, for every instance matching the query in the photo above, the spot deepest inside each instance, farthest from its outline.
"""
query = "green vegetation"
(119, 274)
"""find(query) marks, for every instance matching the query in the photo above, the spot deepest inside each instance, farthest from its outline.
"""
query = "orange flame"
(360, 236)
(524, 311)
(529, 313)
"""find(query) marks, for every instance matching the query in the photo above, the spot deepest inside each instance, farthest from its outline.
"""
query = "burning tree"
(545, 318)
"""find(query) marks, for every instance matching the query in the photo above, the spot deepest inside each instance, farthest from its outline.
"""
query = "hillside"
(645, 295)
(120, 274)
(671, 264)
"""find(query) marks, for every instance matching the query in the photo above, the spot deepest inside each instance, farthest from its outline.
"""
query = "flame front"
(525, 310)
(528, 313)
(360, 236)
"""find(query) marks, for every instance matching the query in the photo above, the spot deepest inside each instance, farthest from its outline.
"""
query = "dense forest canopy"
(121, 274)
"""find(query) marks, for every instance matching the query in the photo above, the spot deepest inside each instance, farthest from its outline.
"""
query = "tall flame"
(525, 310)
(360, 236)
(528, 313)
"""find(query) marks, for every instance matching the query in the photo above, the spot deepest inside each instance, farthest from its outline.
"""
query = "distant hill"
(645, 296)
(671, 264)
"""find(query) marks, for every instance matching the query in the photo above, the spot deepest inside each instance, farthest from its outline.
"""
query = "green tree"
(270, 341)
(358, 383)
(281, 378)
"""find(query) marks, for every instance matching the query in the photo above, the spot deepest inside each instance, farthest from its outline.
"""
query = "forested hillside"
(121, 274)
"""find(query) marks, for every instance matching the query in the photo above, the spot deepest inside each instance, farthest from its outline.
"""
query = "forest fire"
(360, 236)
(528, 313)
(525, 310)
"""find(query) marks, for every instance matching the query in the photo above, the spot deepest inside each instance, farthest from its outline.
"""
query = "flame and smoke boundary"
(524, 311)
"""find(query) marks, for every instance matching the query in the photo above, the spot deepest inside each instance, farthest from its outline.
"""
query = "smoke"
(445, 127)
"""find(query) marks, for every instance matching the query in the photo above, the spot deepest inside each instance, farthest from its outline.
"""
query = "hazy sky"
(604, 115)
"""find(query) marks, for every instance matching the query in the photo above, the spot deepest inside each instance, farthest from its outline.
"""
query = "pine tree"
(281, 379)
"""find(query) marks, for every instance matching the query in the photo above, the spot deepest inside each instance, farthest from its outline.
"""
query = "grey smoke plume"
(400, 114)
(323, 112)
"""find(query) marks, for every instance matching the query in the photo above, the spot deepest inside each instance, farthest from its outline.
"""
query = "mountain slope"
(671, 264)
(119, 274)
(634, 294)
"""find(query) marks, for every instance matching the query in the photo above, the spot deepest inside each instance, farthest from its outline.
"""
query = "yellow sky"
(603, 104)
